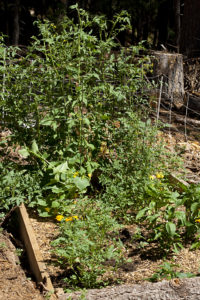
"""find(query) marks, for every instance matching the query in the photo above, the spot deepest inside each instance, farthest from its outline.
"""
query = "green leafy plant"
(171, 218)
(67, 99)
(85, 244)
(168, 271)
(18, 185)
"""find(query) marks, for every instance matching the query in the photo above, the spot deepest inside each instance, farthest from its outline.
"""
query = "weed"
(167, 271)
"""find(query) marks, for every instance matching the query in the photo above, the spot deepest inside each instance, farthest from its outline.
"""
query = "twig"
(159, 100)
(185, 121)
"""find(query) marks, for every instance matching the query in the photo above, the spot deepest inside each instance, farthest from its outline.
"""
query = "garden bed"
(143, 263)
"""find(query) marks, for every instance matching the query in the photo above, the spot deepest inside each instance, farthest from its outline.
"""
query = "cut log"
(168, 67)
(176, 289)
(192, 103)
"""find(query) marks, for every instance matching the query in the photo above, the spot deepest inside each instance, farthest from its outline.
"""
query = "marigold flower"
(59, 218)
(197, 220)
(159, 175)
(152, 177)
(68, 219)
(89, 175)
(75, 217)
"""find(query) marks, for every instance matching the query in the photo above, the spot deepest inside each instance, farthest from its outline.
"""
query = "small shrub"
(85, 244)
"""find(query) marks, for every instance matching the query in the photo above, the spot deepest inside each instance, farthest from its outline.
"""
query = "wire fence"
(182, 128)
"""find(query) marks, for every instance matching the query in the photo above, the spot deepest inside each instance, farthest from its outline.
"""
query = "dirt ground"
(14, 283)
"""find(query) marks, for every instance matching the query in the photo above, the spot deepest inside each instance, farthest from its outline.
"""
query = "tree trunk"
(176, 289)
(15, 35)
(190, 32)
(168, 68)
(6, 21)
(163, 21)
(177, 6)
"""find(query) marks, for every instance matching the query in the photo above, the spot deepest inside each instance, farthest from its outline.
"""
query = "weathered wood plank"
(37, 265)
(179, 184)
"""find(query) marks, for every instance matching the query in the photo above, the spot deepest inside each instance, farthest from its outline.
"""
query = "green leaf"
(91, 146)
(180, 215)
(46, 122)
(185, 275)
(56, 190)
(24, 152)
(44, 214)
(86, 121)
(141, 213)
(42, 202)
(194, 207)
(34, 146)
(61, 168)
(55, 204)
(171, 228)
(195, 246)
(81, 183)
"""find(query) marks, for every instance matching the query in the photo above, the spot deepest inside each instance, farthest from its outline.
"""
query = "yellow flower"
(47, 209)
(75, 174)
(152, 177)
(159, 175)
(68, 219)
(59, 218)
(197, 220)
(75, 217)
(89, 175)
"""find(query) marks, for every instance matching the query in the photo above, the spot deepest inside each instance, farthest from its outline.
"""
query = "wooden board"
(37, 265)
(178, 183)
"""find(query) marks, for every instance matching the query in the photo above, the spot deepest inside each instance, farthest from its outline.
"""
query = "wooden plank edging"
(178, 183)
(35, 258)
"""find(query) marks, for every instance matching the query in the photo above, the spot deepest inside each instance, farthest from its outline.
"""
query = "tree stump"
(168, 69)
(175, 289)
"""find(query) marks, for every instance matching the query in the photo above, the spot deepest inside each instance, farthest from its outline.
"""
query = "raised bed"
(162, 290)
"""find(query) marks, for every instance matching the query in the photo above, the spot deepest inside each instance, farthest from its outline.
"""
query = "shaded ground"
(14, 285)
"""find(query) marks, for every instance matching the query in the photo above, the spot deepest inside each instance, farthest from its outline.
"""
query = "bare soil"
(14, 283)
